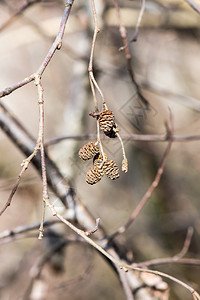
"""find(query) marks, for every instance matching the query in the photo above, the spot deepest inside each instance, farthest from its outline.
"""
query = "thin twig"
(89, 232)
(176, 258)
(194, 5)
(135, 36)
(40, 141)
(125, 284)
(19, 10)
(150, 190)
(117, 262)
(90, 67)
(186, 244)
(26, 143)
(26, 228)
(194, 293)
(127, 137)
(81, 212)
(55, 46)
(93, 81)
(122, 31)
(24, 165)
(168, 260)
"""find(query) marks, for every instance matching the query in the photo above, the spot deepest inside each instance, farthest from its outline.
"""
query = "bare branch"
(25, 228)
(152, 187)
(125, 284)
(122, 31)
(168, 260)
(186, 244)
(194, 293)
(135, 36)
(127, 137)
(56, 46)
(40, 142)
(76, 210)
(25, 166)
(81, 212)
(26, 144)
(21, 9)
(90, 67)
(176, 258)
(95, 228)
(41, 145)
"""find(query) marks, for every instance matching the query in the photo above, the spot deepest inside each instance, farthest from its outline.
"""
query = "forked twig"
(122, 31)
(89, 232)
(81, 233)
(93, 82)
(55, 46)
(176, 258)
(152, 187)
(90, 67)
(117, 262)
(22, 231)
(40, 141)
(139, 20)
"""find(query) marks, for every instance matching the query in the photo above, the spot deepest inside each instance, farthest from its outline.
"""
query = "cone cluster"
(101, 165)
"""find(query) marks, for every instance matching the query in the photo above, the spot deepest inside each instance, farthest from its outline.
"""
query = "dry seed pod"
(106, 121)
(88, 151)
(111, 169)
(93, 176)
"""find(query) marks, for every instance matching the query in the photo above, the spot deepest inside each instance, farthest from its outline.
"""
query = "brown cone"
(88, 151)
(93, 176)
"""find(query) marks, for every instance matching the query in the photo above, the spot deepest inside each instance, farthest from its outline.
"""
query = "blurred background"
(165, 61)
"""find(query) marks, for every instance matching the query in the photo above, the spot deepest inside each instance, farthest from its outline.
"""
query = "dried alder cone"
(111, 169)
(101, 164)
(93, 175)
(101, 167)
(88, 151)
(107, 123)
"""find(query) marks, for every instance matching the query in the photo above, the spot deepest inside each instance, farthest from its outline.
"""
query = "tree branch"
(61, 188)
(122, 31)
(127, 137)
(56, 46)
(147, 195)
